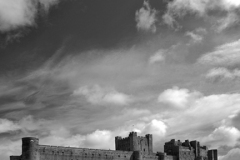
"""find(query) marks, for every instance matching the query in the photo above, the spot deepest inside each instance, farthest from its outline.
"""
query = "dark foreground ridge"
(132, 147)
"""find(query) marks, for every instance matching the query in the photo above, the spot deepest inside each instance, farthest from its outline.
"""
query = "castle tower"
(150, 143)
(133, 141)
(212, 154)
(196, 146)
(30, 148)
(117, 142)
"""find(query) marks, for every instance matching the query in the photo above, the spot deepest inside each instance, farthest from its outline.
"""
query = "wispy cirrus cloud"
(197, 35)
(223, 55)
(159, 56)
(146, 18)
(195, 104)
(229, 20)
(99, 95)
(221, 73)
(223, 135)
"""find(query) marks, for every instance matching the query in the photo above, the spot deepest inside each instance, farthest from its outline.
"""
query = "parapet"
(30, 139)
(133, 134)
(15, 157)
(118, 137)
(132, 147)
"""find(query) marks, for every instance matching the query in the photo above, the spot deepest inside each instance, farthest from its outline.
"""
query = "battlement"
(191, 148)
(133, 147)
(135, 143)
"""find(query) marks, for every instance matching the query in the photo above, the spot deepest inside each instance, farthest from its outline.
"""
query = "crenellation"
(132, 147)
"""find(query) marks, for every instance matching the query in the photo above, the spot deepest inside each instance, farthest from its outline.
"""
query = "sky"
(80, 72)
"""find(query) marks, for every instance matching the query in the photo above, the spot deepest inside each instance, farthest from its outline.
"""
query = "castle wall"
(186, 154)
(15, 157)
(122, 144)
(164, 156)
(172, 147)
(149, 157)
(68, 153)
(187, 150)
(203, 152)
(143, 145)
(140, 149)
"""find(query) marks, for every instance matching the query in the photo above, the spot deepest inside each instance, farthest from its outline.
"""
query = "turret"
(30, 148)
(150, 143)
(133, 141)
(117, 140)
(196, 146)
(212, 154)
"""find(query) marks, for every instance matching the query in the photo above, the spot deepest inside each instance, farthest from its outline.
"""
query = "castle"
(132, 147)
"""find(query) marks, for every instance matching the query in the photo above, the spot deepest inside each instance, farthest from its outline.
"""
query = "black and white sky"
(80, 72)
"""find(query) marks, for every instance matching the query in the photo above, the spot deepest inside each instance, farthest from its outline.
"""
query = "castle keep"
(132, 147)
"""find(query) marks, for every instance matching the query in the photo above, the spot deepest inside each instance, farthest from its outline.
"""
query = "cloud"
(156, 127)
(179, 98)
(175, 54)
(82, 126)
(201, 8)
(218, 107)
(25, 125)
(226, 22)
(7, 126)
(224, 55)
(146, 18)
(60, 135)
(233, 154)
(169, 20)
(163, 125)
(230, 4)
(98, 95)
(99, 139)
(219, 74)
(223, 135)
(8, 148)
(15, 14)
(194, 106)
(157, 57)
(196, 35)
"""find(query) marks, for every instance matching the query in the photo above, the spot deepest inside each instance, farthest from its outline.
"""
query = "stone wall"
(69, 153)
(122, 143)
(15, 157)
(188, 150)
(132, 147)
(164, 156)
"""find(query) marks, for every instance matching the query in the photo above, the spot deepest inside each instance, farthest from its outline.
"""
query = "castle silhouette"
(132, 147)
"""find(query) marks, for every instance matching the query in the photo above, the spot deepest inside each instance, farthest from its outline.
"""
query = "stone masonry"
(132, 147)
